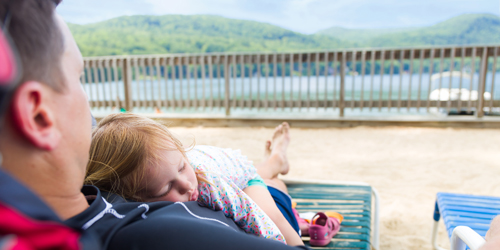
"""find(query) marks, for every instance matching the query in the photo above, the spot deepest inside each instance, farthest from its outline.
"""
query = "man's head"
(47, 127)
(38, 39)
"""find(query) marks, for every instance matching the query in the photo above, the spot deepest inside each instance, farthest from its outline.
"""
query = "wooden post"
(127, 81)
(226, 88)
(482, 83)
(342, 84)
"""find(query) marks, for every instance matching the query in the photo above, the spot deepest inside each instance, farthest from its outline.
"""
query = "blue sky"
(305, 16)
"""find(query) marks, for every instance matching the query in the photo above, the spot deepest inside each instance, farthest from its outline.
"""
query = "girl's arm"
(223, 194)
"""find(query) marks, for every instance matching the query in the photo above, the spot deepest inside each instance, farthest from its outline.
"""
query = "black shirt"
(162, 225)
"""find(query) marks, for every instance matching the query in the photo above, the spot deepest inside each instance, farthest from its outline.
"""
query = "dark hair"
(37, 37)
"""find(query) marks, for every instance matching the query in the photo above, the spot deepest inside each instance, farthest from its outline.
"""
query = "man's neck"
(65, 199)
(67, 206)
(58, 187)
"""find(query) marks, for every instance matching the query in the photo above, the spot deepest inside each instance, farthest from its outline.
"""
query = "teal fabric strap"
(257, 181)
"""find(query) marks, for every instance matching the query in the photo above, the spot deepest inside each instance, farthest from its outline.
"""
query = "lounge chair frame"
(464, 236)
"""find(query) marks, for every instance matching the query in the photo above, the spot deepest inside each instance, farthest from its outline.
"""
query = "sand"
(408, 166)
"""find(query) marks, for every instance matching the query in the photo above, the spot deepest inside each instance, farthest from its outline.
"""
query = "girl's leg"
(263, 198)
(277, 183)
(276, 162)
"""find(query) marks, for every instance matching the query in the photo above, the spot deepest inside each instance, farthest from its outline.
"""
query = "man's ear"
(33, 117)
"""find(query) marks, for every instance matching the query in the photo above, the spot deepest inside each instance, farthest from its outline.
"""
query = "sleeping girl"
(140, 159)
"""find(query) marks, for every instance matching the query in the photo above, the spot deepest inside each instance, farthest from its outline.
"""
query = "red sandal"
(303, 224)
(323, 229)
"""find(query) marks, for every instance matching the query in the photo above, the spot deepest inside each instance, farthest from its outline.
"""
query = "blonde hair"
(122, 145)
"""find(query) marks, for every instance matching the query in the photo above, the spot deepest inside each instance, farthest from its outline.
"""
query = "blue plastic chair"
(473, 211)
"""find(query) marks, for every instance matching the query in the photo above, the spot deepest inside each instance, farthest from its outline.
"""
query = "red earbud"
(8, 68)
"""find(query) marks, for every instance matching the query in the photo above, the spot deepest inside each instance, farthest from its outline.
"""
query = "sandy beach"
(408, 166)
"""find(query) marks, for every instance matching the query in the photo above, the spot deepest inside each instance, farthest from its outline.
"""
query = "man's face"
(72, 109)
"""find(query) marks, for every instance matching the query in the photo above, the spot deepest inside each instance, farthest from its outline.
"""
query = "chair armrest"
(463, 236)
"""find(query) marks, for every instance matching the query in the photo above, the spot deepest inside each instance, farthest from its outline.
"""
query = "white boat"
(449, 74)
(453, 94)
(445, 94)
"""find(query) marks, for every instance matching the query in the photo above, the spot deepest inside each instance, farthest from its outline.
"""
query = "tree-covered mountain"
(130, 35)
(460, 30)
(359, 36)
(191, 34)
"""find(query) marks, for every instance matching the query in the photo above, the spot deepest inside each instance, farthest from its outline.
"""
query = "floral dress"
(228, 172)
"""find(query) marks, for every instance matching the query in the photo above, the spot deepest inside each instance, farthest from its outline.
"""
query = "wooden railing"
(404, 80)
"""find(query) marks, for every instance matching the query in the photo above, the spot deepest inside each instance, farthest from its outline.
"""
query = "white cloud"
(306, 16)
(90, 11)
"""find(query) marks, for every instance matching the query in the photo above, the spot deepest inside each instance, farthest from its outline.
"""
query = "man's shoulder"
(109, 214)
(30, 221)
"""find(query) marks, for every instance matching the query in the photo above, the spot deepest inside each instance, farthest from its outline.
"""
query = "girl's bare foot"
(279, 145)
(267, 150)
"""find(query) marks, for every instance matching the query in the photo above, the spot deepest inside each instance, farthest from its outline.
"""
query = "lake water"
(287, 88)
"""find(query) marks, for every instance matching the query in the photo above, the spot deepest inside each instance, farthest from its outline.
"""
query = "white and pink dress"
(229, 172)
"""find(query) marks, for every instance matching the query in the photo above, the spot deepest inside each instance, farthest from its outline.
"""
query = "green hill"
(460, 30)
(359, 36)
(190, 34)
(129, 35)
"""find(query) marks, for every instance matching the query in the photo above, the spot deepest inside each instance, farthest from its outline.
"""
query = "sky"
(305, 16)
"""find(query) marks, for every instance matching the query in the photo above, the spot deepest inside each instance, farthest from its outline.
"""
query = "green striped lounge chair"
(357, 201)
